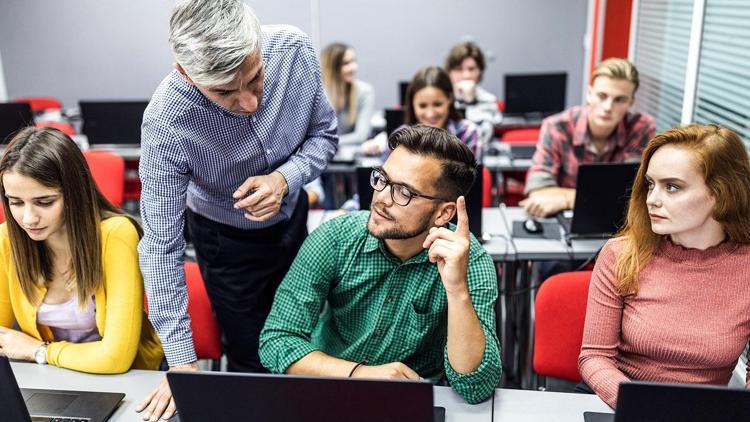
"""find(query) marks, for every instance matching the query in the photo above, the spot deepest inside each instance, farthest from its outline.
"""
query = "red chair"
(63, 127)
(41, 104)
(528, 135)
(486, 188)
(108, 171)
(560, 311)
(206, 332)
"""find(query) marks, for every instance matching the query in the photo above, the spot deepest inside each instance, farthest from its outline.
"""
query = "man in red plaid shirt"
(603, 130)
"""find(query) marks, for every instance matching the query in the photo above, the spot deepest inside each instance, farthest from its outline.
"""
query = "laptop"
(217, 397)
(473, 199)
(602, 195)
(648, 401)
(403, 86)
(14, 117)
(112, 122)
(28, 404)
(532, 96)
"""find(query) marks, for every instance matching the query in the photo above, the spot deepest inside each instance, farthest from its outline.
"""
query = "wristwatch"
(40, 356)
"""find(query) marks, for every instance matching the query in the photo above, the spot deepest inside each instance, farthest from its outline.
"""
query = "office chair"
(41, 104)
(206, 333)
(108, 171)
(560, 312)
(63, 127)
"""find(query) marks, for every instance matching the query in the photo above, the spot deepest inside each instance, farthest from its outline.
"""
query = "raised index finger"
(462, 226)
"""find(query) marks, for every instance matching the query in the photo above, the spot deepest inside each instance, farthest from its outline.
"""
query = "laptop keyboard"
(66, 419)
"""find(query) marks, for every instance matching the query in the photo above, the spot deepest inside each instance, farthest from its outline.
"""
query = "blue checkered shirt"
(195, 153)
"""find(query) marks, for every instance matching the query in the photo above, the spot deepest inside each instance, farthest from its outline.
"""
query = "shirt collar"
(583, 136)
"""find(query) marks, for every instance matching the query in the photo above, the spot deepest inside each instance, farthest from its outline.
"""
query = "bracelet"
(364, 362)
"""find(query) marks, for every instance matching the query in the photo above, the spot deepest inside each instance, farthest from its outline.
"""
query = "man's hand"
(393, 370)
(18, 345)
(466, 91)
(266, 193)
(450, 251)
(159, 402)
(548, 201)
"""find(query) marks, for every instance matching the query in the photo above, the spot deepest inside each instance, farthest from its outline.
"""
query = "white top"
(68, 322)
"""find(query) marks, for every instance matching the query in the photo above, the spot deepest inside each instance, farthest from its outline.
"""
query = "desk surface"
(136, 384)
(510, 405)
(548, 249)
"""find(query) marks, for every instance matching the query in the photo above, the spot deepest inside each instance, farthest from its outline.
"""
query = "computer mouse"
(532, 226)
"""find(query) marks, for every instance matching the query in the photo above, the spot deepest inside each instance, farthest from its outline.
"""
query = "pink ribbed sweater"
(688, 323)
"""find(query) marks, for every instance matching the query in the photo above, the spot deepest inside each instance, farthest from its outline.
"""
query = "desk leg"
(505, 323)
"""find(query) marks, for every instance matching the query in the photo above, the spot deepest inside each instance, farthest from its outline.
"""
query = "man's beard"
(396, 233)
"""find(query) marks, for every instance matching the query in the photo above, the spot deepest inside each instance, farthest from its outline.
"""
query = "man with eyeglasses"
(602, 131)
(404, 294)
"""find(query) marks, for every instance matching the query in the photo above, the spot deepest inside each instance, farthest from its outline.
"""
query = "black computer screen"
(112, 122)
(14, 117)
(535, 93)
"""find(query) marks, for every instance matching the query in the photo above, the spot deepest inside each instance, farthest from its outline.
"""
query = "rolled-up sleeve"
(299, 299)
(546, 161)
(164, 177)
(479, 384)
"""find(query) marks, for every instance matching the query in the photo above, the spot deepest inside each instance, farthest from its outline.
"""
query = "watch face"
(41, 355)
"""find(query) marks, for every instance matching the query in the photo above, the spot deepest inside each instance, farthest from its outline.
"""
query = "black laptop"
(112, 122)
(473, 199)
(647, 401)
(28, 404)
(394, 118)
(602, 195)
(532, 96)
(218, 397)
(14, 117)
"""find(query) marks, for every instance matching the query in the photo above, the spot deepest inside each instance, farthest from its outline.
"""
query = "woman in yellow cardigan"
(69, 272)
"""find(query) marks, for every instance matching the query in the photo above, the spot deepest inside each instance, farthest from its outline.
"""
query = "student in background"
(668, 300)
(465, 65)
(352, 99)
(69, 272)
(429, 101)
(603, 130)
(406, 295)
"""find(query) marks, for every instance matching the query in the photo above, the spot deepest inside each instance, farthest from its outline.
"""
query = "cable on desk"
(590, 259)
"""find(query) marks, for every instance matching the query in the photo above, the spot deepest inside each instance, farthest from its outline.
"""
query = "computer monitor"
(403, 86)
(540, 93)
(394, 118)
(14, 117)
(112, 122)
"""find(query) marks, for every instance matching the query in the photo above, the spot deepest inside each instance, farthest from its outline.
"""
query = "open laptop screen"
(542, 93)
(14, 117)
(112, 122)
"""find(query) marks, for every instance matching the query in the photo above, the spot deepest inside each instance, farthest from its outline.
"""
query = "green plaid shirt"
(379, 309)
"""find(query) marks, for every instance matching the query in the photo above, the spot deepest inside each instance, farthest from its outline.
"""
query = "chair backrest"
(524, 136)
(206, 333)
(560, 312)
(40, 104)
(108, 171)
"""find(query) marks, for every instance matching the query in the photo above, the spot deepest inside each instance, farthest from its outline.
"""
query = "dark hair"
(430, 76)
(51, 158)
(458, 163)
(463, 51)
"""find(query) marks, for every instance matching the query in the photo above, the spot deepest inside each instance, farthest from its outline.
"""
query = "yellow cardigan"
(128, 339)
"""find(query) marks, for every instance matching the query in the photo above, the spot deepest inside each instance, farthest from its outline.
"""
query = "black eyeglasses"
(400, 194)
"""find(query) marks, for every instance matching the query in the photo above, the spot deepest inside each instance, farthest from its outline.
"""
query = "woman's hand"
(18, 345)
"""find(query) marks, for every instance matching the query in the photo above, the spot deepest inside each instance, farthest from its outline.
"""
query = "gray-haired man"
(228, 141)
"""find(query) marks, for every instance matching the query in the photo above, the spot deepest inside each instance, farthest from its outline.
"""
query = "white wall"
(117, 49)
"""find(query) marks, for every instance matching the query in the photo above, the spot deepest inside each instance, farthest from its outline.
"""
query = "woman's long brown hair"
(51, 158)
(331, 62)
(722, 160)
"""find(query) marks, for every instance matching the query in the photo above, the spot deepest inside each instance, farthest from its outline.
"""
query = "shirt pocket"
(423, 329)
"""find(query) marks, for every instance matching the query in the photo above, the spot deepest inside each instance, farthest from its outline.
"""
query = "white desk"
(528, 406)
(136, 384)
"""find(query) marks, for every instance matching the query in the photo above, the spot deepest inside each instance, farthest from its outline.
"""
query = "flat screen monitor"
(541, 93)
(112, 122)
(14, 117)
